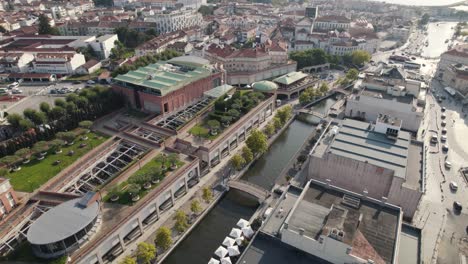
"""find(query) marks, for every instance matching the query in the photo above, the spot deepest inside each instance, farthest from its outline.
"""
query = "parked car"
(434, 139)
(444, 131)
(443, 109)
(457, 206)
(445, 148)
(448, 164)
(13, 85)
(443, 138)
(443, 116)
(53, 91)
(443, 123)
(453, 186)
(16, 91)
(90, 82)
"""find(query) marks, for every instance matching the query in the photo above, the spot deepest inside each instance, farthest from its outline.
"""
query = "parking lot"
(34, 95)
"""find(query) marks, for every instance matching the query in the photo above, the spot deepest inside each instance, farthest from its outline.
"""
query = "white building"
(15, 62)
(58, 63)
(456, 77)
(401, 32)
(324, 23)
(177, 20)
(103, 45)
(195, 4)
(58, 12)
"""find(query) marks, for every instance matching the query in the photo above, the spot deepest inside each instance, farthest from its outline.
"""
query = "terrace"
(145, 179)
(106, 166)
(178, 119)
(147, 134)
(227, 110)
(35, 173)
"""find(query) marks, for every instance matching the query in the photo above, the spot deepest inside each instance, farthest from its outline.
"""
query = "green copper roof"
(219, 91)
(265, 86)
(290, 78)
(164, 77)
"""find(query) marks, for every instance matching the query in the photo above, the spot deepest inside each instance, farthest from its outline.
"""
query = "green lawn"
(35, 173)
(147, 169)
(85, 77)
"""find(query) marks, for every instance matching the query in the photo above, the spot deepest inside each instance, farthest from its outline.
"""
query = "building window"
(2, 208)
(10, 199)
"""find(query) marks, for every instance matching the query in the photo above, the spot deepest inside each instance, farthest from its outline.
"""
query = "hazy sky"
(421, 2)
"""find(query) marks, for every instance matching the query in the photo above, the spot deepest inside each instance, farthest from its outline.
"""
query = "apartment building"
(176, 20)
(8, 199)
(57, 63)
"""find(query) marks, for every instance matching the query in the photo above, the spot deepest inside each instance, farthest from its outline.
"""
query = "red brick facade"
(173, 100)
(5, 184)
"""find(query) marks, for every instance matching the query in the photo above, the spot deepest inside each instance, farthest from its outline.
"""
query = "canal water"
(438, 34)
(199, 246)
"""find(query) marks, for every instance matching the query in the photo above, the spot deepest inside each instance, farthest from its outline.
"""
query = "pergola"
(179, 118)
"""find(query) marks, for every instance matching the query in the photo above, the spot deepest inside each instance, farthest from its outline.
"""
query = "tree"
(163, 238)
(195, 206)
(14, 119)
(10, 160)
(309, 57)
(207, 195)
(323, 89)
(352, 74)
(23, 153)
(360, 57)
(270, 129)
(247, 154)
(68, 137)
(304, 98)
(257, 142)
(44, 25)
(226, 119)
(145, 252)
(284, 114)
(128, 260)
(56, 145)
(206, 10)
(237, 161)
(44, 107)
(214, 125)
(86, 124)
(60, 102)
(40, 147)
(181, 221)
(234, 113)
(57, 113)
(424, 19)
(25, 124)
(38, 118)
(133, 190)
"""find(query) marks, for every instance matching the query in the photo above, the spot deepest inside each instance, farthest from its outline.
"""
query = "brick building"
(8, 199)
(167, 86)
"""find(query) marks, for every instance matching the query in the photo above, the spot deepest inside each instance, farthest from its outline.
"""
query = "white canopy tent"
(235, 233)
(221, 252)
(226, 260)
(243, 223)
(247, 231)
(213, 261)
(228, 242)
(239, 241)
(233, 251)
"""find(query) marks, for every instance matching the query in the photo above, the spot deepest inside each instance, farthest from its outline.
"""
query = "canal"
(199, 246)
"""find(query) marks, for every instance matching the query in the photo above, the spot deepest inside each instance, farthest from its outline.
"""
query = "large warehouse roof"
(62, 221)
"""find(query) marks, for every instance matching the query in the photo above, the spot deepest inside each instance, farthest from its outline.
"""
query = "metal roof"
(190, 60)
(164, 77)
(61, 222)
(219, 91)
(265, 86)
(289, 78)
(356, 141)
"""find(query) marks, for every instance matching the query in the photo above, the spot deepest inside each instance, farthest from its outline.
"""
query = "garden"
(227, 110)
(144, 180)
(29, 168)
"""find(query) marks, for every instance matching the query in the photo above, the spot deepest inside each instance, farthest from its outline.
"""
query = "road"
(443, 228)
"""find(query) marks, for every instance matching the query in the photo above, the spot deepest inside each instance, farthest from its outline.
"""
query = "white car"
(448, 164)
(443, 138)
(445, 148)
(453, 186)
(13, 85)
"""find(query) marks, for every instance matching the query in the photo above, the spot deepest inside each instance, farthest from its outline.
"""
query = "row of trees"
(147, 252)
(65, 115)
(310, 94)
(132, 38)
(257, 142)
(312, 57)
(141, 61)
